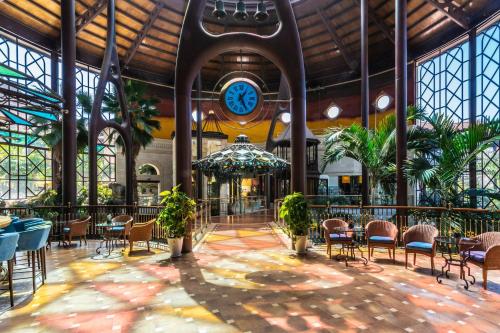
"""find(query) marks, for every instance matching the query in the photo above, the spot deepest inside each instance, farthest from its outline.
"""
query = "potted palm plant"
(179, 209)
(295, 212)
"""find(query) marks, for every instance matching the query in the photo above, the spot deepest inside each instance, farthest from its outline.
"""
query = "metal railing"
(101, 213)
(469, 222)
(235, 206)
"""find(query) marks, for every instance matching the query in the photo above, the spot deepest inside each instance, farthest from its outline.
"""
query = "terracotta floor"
(242, 278)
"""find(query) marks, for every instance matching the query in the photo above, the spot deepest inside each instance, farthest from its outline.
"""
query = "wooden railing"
(469, 222)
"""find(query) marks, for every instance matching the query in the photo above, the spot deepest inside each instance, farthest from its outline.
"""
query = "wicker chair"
(487, 254)
(76, 228)
(122, 231)
(382, 234)
(333, 237)
(419, 239)
(141, 232)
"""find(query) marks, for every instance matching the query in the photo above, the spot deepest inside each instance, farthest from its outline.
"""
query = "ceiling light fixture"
(332, 111)
(219, 10)
(286, 117)
(240, 13)
(261, 13)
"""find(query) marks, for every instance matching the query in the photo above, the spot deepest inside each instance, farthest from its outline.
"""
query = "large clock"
(240, 98)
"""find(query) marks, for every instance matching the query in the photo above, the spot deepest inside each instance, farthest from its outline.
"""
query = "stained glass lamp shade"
(240, 159)
(24, 100)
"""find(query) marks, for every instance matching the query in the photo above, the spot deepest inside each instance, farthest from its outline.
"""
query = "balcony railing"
(469, 222)
(101, 213)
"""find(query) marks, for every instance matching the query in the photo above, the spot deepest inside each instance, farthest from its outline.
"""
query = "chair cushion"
(381, 239)
(117, 228)
(421, 246)
(66, 229)
(478, 256)
(340, 237)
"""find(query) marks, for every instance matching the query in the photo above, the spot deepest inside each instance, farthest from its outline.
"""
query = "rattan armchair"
(141, 232)
(419, 239)
(487, 254)
(382, 234)
(334, 237)
(76, 228)
(123, 231)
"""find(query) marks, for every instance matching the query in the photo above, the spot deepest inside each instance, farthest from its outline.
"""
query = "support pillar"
(54, 75)
(365, 94)
(401, 102)
(199, 138)
(472, 109)
(68, 50)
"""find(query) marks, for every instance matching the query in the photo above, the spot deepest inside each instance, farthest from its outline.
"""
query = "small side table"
(356, 235)
(108, 236)
(456, 252)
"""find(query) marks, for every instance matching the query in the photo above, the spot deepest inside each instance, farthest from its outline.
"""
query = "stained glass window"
(25, 160)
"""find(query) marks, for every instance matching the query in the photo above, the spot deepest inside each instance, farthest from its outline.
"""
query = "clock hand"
(242, 101)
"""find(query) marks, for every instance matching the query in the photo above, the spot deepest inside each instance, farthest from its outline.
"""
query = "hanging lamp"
(219, 10)
(240, 13)
(261, 13)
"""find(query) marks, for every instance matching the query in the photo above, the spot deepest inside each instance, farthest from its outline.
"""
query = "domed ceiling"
(148, 33)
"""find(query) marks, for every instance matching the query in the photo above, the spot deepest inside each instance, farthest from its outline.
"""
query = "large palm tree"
(443, 151)
(51, 135)
(142, 110)
(373, 148)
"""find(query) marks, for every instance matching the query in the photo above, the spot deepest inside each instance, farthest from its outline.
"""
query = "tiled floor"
(241, 279)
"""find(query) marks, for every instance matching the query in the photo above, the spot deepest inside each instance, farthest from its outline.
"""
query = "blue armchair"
(8, 243)
(23, 224)
(33, 241)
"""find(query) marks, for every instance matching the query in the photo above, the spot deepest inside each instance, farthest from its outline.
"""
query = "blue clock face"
(241, 98)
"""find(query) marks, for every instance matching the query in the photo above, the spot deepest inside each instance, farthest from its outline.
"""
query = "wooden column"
(365, 93)
(54, 74)
(199, 138)
(68, 50)
(401, 102)
(472, 108)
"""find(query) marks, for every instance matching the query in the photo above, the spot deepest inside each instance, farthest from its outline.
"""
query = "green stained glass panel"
(15, 119)
(6, 71)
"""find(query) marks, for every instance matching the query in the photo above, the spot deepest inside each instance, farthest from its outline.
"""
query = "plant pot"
(175, 245)
(300, 244)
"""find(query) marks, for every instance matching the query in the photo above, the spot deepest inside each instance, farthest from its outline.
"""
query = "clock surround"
(240, 98)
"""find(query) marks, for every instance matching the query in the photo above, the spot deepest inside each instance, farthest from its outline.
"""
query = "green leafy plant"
(179, 209)
(142, 110)
(51, 134)
(294, 210)
(442, 152)
(374, 149)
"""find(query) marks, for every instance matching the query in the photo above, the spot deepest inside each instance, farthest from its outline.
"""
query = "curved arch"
(110, 72)
(196, 46)
(154, 167)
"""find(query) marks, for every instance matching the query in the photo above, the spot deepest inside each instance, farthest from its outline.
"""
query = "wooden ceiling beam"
(388, 32)
(353, 64)
(143, 32)
(448, 8)
(92, 12)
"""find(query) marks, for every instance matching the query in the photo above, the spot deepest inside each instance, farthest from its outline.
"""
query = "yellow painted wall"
(258, 133)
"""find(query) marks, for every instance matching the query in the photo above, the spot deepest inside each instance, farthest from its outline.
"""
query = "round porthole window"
(194, 115)
(285, 117)
(383, 101)
(333, 111)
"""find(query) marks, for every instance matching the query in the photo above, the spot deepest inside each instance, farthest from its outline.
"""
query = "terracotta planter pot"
(175, 245)
(300, 244)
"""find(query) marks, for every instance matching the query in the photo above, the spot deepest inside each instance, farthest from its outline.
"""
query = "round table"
(5, 221)
(456, 252)
(356, 234)
(108, 236)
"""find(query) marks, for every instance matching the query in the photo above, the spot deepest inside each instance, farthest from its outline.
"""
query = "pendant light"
(219, 10)
(261, 13)
(241, 11)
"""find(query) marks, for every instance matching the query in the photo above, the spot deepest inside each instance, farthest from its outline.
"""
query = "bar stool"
(8, 243)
